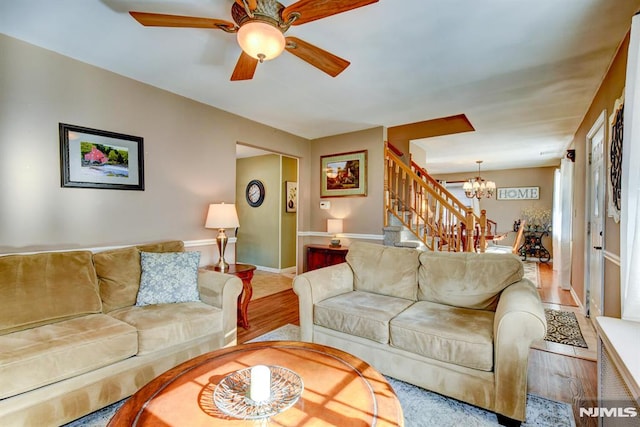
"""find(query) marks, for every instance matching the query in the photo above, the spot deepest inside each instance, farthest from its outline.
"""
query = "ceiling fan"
(260, 26)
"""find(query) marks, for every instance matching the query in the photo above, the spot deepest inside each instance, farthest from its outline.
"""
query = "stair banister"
(436, 216)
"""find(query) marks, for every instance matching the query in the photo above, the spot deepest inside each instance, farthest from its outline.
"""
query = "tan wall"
(361, 215)
(259, 232)
(418, 155)
(189, 155)
(505, 212)
(288, 219)
(611, 89)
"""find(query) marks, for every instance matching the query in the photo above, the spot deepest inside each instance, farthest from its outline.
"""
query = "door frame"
(600, 122)
(255, 151)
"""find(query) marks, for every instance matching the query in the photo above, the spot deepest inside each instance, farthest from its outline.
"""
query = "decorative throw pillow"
(168, 277)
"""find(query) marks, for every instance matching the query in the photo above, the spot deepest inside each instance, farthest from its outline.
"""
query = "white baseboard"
(355, 236)
(610, 256)
(287, 270)
(578, 301)
(96, 249)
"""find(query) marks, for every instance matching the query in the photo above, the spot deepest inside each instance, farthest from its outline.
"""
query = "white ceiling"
(523, 71)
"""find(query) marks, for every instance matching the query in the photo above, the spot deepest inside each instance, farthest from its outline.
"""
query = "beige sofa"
(459, 324)
(72, 339)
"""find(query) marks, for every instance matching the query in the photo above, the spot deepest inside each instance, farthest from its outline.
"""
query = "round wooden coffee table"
(339, 389)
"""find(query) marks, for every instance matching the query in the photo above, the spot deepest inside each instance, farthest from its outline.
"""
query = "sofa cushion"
(29, 283)
(39, 356)
(464, 279)
(363, 314)
(164, 325)
(168, 277)
(449, 334)
(119, 272)
(385, 270)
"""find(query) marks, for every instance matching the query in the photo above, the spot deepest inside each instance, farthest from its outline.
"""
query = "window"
(630, 213)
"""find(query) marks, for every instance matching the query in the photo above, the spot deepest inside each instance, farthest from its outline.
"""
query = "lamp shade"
(334, 226)
(222, 215)
(261, 40)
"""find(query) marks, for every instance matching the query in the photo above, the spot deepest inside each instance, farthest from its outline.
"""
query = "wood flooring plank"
(269, 313)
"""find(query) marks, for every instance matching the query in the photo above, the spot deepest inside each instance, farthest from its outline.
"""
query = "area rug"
(421, 408)
(563, 328)
(531, 272)
(265, 283)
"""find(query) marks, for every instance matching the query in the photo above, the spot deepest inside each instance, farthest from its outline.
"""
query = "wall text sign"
(519, 193)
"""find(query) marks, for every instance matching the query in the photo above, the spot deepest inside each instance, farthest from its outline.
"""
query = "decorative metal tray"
(230, 395)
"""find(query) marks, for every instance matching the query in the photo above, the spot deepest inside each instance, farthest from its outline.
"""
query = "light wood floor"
(562, 373)
(552, 375)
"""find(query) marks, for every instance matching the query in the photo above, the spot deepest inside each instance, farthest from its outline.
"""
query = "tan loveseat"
(72, 341)
(459, 324)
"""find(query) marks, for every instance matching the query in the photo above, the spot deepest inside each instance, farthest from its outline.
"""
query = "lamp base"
(221, 241)
(222, 265)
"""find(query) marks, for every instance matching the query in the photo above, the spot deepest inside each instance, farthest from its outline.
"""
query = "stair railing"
(491, 226)
(439, 220)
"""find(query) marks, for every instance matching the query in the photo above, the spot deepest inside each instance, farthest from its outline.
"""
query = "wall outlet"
(325, 204)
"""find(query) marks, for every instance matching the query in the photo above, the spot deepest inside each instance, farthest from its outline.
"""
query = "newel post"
(483, 229)
(470, 225)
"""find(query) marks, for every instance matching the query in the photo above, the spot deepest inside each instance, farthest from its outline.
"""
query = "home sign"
(518, 193)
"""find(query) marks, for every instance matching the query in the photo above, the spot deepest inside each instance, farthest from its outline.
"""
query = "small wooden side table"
(244, 273)
(319, 256)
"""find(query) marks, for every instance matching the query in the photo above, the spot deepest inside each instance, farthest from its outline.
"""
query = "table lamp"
(334, 226)
(222, 216)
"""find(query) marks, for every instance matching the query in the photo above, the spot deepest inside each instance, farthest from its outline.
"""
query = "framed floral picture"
(92, 158)
(291, 191)
(343, 174)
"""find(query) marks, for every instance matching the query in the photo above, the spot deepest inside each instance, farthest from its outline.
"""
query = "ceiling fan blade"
(319, 58)
(245, 68)
(310, 10)
(162, 20)
(253, 4)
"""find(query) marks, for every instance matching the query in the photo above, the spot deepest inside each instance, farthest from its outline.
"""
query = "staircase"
(416, 203)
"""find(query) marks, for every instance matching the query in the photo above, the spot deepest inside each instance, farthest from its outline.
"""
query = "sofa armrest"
(317, 285)
(222, 291)
(519, 321)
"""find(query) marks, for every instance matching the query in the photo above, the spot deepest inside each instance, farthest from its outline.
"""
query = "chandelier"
(478, 187)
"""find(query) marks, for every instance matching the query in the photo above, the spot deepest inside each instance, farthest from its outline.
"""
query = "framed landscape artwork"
(343, 174)
(92, 158)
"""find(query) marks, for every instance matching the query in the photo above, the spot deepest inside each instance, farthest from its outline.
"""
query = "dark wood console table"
(319, 256)
(245, 273)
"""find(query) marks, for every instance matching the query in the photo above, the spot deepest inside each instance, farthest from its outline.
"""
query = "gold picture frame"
(344, 174)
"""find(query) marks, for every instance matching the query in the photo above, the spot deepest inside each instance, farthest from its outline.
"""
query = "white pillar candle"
(260, 383)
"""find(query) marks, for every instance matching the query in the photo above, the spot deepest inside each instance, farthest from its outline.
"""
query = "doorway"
(267, 236)
(594, 219)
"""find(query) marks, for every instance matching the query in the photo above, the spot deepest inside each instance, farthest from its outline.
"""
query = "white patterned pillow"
(168, 277)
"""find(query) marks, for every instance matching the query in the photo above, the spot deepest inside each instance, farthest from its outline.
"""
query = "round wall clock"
(255, 193)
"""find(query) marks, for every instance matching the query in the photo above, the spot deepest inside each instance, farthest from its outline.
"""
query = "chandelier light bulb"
(478, 187)
(260, 40)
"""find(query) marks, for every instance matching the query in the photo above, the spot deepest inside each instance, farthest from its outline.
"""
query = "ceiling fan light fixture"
(261, 40)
